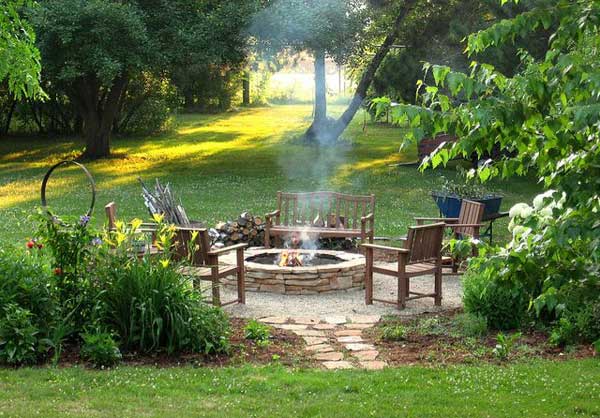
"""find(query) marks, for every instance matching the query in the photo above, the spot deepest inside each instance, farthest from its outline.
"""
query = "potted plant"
(449, 198)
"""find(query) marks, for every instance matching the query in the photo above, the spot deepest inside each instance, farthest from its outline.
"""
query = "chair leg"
(438, 287)
(241, 277)
(369, 277)
(267, 237)
(401, 292)
(216, 292)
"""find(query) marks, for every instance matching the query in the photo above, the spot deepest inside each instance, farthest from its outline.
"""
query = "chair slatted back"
(323, 209)
(470, 213)
(425, 242)
(199, 248)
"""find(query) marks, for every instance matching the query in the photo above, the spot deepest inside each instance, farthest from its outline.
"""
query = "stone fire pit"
(331, 271)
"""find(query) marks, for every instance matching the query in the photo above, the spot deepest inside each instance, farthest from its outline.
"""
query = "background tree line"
(124, 66)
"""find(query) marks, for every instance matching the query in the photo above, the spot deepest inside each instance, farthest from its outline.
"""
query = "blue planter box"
(450, 205)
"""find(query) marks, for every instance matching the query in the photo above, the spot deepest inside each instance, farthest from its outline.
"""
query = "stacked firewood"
(246, 228)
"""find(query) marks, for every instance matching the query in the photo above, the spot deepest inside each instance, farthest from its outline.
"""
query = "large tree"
(93, 48)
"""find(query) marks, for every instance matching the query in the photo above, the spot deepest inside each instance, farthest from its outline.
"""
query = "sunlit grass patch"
(221, 165)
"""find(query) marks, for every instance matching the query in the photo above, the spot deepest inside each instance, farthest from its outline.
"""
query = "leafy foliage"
(471, 325)
(546, 116)
(394, 332)
(19, 58)
(505, 345)
(18, 336)
(502, 303)
(100, 349)
(257, 331)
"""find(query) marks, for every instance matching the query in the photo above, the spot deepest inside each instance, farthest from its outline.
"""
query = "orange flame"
(290, 258)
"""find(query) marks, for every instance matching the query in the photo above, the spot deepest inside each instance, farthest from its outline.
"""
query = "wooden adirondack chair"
(193, 244)
(467, 225)
(204, 260)
(421, 255)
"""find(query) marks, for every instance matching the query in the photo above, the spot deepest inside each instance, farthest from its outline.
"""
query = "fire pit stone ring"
(331, 271)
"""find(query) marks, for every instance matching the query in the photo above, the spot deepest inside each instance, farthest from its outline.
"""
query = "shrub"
(26, 280)
(393, 332)
(471, 325)
(152, 307)
(502, 304)
(100, 349)
(18, 336)
(582, 325)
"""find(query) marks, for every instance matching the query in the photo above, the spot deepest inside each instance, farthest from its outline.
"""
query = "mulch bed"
(285, 348)
(439, 349)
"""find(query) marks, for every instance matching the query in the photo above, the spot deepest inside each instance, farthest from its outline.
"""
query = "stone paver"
(331, 356)
(323, 326)
(309, 333)
(290, 327)
(364, 319)
(320, 348)
(350, 339)
(348, 332)
(274, 319)
(368, 355)
(359, 347)
(336, 320)
(358, 326)
(315, 340)
(306, 320)
(333, 365)
(373, 365)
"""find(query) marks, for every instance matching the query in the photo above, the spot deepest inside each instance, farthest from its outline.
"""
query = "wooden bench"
(322, 214)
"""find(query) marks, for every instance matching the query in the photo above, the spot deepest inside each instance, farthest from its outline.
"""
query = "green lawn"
(537, 389)
(224, 164)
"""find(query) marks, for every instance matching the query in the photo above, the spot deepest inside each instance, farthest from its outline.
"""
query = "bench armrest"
(227, 249)
(270, 215)
(369, 217)
(385, 248)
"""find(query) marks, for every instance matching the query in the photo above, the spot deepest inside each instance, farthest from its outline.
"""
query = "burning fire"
(290, 258)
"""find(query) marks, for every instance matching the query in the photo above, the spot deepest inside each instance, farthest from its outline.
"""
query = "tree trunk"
(340, 125)
(246, 89)
(6, 127)
(320, 118)
(99, 114)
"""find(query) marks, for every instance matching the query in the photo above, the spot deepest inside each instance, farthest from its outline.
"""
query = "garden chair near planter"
(193, 244)
(421, 255)
(145, 228)
(467, 225)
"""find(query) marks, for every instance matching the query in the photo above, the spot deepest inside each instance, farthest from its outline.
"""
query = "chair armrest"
(446, 220)
(227, 249)
(269, 215)
(384, 248)
(365, 219)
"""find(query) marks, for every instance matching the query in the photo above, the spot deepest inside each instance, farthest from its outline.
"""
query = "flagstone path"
(335, 341)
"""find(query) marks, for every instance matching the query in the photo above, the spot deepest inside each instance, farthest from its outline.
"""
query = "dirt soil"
(423, 348)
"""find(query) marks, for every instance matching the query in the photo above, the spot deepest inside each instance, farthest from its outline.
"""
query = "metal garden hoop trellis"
(88, 175)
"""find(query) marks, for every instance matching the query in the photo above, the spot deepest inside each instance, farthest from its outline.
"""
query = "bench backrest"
(323, 209)
(425, 242)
